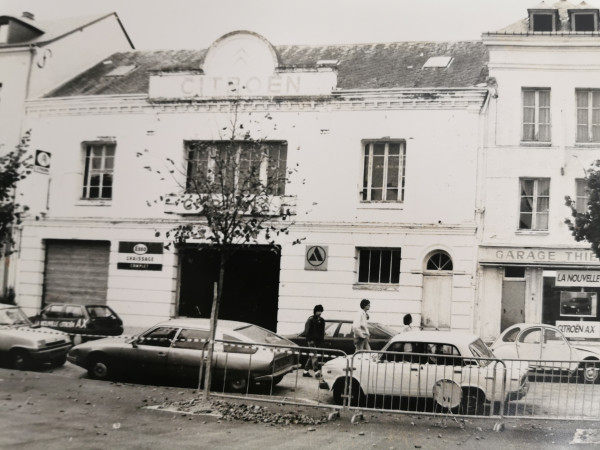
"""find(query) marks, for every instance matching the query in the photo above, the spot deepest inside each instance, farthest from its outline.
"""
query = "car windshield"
(99, 311)
(261, 336)
(13, 316)
(386, 329)
(480, 350)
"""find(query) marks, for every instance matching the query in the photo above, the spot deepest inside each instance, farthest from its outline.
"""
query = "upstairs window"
(588, 115)
(582, 195)
(542, 21)
(584, 21)
(379, 266)
(383, 171)
(98, 173)
(536, 115)
(534, 204)
(239, 165)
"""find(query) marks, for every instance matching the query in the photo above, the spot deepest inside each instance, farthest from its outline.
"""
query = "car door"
(72, 319)
(185, 355)
(529, 344)
(148, 354)
(442, 362)
(397, 374)
(50, 316)
(556, 351)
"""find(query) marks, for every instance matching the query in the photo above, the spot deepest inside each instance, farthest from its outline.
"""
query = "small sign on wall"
(42, 162)
(574, 329)
(315, 257)
(140, 256)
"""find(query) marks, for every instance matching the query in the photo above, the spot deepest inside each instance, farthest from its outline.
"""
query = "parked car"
(338, 336)
(173, 350)
(546, 348)
(576, 306)
(457, 370)
(24, 346)
(82, 322)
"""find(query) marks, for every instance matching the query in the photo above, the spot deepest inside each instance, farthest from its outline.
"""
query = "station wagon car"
(24, 347)
(545, 348)
(83, 322)
(173, 350)
(456, 370)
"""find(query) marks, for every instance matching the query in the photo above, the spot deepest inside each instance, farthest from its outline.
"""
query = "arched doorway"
(437, 291)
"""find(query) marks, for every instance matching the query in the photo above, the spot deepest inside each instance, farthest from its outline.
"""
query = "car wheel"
(472, 402)
(20, 359)
(338, 393)
(58, 362)
(99, 368)
(589, 371)
(358, 397)
(237, 384)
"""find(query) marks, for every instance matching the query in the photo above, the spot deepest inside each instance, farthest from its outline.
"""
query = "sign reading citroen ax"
(243, 64)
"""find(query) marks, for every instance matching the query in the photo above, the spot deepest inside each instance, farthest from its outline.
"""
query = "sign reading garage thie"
(140, 256)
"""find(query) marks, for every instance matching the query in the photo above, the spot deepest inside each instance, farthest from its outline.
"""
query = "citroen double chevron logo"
(316, 255)
(241, 57)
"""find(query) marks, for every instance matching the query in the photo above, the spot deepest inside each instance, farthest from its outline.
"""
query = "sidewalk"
(40, 410)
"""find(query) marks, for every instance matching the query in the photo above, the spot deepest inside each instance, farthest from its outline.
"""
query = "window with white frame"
(379, 265)
(383, 171)
(98, 173)
(588, 115)
(240, 165)
(535, 203)
(536, 115)
(582, 195)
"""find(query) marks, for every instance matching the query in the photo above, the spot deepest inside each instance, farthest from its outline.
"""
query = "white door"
(437, 301)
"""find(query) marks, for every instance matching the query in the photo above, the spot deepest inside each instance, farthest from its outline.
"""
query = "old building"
(38, 56)
(387, 140)
(542, 136)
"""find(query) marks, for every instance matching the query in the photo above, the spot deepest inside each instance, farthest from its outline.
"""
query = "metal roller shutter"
(76, 272)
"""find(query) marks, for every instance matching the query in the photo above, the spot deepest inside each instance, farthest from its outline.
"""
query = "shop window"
(439, 261)
(536, 115)
(379, 266)
(514, 272)
(588, 115)
(534, 203)
(98, 173)
(241, 166)
(582, 195)
(383, 171)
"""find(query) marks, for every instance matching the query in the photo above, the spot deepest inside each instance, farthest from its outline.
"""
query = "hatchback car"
(173, 350)
(83, 322)
(24, 346)
(338, 336)
(546, 348)
(456, 370)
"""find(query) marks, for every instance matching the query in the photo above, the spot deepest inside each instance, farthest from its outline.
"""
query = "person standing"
(360, 327)
(314, 331)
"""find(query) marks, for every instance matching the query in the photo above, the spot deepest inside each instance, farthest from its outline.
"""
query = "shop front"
(555, 286)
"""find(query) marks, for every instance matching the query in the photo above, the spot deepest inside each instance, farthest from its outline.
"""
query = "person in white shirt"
(360, 328)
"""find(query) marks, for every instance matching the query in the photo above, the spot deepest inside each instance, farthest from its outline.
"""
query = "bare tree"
(235, 187)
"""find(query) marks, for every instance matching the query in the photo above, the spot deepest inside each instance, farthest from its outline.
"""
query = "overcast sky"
(178, 24)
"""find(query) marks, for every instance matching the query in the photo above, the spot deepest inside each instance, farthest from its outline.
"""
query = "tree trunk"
(214, 316)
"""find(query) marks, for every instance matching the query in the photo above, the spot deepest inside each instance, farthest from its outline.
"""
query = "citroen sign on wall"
(315, 257)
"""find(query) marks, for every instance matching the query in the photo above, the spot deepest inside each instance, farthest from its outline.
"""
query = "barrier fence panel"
(427, 383)
(268, 372)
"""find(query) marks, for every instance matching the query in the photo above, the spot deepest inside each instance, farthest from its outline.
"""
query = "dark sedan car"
(338, 336)
(82, 322)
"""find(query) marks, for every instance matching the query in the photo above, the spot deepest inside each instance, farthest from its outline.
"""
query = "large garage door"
(76, 272)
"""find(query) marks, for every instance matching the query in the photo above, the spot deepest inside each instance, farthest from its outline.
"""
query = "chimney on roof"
(28, 15)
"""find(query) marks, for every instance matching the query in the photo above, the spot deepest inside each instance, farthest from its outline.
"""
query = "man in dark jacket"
(314, 331)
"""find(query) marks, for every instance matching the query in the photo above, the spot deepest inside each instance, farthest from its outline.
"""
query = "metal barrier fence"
(415, 383)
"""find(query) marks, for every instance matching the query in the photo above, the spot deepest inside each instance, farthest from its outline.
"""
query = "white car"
(25, 346)
(545, 348)
(456, 369)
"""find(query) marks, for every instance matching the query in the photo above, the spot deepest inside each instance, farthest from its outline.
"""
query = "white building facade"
(387, 142)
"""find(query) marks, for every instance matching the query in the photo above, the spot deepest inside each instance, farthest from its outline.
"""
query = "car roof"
(530, 325)
(203, 323)
(448, 337)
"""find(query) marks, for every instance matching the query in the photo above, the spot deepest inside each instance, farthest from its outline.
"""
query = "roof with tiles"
(360, 66)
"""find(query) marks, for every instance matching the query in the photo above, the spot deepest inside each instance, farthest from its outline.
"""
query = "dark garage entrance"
(251, 286)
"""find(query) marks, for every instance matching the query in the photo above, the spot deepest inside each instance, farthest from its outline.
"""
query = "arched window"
(439, 261)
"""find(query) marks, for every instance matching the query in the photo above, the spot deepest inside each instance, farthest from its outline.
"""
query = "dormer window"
(3, 33)
(584, 20)
(542, 21)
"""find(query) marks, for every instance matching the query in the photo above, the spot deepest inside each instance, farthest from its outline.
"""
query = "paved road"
(44, 410)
